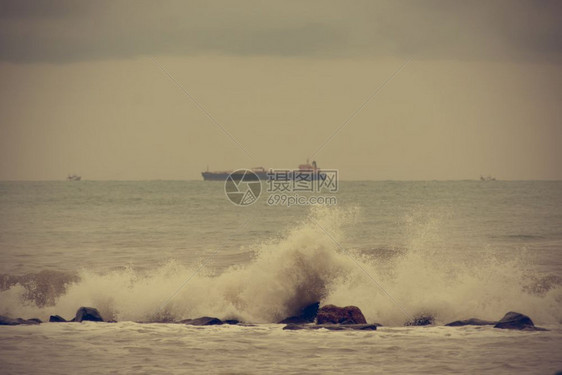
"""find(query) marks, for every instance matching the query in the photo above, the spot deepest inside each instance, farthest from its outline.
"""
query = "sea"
(149, 253)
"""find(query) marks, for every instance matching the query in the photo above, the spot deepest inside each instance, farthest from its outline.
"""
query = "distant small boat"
(73, 177)
(487, 178)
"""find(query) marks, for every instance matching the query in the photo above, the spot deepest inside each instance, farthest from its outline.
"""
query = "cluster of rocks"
(83, 314)
(351, 318)
(311, 317)
(511, 320)
(329, 317)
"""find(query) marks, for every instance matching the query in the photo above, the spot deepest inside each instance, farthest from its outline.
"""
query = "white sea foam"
(307, 265)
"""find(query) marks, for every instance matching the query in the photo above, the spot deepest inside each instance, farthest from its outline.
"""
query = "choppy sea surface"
(145, 251)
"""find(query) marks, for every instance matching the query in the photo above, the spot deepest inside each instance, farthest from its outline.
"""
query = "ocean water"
(146, 251)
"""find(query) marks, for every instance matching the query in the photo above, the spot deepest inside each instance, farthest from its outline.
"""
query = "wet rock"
(307, 315)
(420, 320)
(87, 313)
(203, 321)
(56, 319)
(5, 321)
(471, 322)
(331, 314)
(515, 320)
(231, 321)
(332, 327)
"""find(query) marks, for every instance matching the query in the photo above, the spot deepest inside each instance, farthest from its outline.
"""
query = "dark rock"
(307, 315)
(331, 314)
(231, 321)
(28, 321)
(293, 320)
(203, 321)
(5, 321)
(420, 320)
(87, 313)
(56, 319)
(515, 320)
(470, 322)
(332, 327)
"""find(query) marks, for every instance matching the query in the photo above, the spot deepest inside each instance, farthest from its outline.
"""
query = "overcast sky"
(413, 89)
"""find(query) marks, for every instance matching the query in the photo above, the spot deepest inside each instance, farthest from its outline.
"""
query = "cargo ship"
(262, 173)
(222, 175)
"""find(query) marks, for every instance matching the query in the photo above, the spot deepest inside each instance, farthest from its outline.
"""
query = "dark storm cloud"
(60, 31)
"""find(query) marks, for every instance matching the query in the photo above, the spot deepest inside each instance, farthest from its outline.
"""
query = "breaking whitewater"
(306, 265)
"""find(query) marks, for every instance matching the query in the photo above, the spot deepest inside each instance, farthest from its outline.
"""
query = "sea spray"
(284, 276)
(310, 263)
(430, 279)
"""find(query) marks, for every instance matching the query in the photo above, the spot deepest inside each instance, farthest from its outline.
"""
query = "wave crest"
(303, 267)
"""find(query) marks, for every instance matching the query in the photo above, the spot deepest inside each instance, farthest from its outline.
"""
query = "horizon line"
(342, 180)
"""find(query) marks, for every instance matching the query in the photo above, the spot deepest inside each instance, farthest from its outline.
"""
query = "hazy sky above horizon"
(82, 89)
